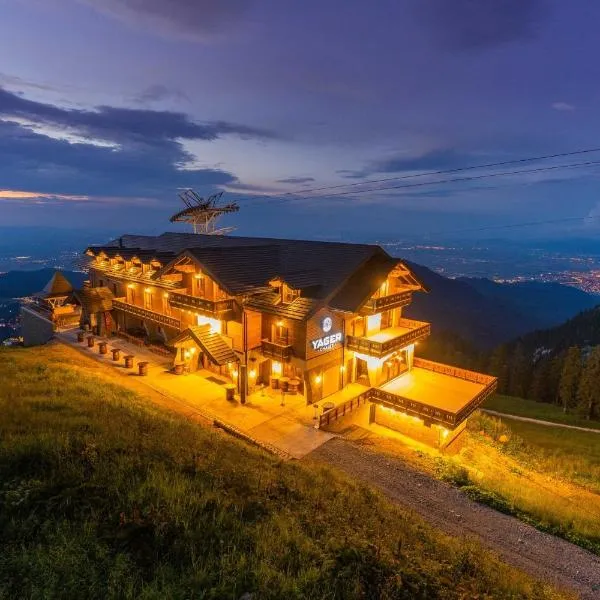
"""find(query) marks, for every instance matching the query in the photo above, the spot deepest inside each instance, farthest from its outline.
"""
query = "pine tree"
(519, 373)
(543, 387)
(588, 392)
(569, 378)
(499, 367)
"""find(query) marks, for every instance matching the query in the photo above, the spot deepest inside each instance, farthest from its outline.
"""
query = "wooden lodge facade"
(306, 317)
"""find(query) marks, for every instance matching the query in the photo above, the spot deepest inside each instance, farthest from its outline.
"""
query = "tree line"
(569, 377)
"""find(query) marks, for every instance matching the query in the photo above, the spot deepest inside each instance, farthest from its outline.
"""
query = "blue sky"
(106, 112)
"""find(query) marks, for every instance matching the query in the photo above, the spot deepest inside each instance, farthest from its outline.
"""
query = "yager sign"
(327, 342)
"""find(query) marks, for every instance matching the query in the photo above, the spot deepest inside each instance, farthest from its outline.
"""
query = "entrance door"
(362, 371)
(331, 380)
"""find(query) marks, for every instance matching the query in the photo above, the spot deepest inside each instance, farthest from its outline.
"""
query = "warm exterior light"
(342, 368)
(166, 294)
(193, 350)
(279, 323)
(215, 324)
(276, 368)
(147, 290)
(318, 379)
(198, 276)
(235, 373)
(131, 285)
(252, 374)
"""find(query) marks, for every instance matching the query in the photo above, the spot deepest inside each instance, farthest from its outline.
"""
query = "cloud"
(22, 195)
(466, 25)
(562, 106)
(144, 156)
(434, 160)
(195, 19)
(296, 180)
(158, 93)
(121, 125)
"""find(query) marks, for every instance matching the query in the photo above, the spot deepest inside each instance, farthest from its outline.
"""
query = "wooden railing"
(417, 331)
(144, 313)
(346, 407)
(214, 308)
(136, 275)
(457, 372)
(278, 351)
(413, 407)
(375, 305)
(142, 343)
(467, 410)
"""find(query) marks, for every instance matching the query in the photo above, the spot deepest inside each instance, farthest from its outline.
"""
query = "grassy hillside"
(536, 410)
(547, 477)
(103, 496)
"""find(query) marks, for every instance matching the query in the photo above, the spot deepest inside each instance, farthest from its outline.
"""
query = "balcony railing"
(134, 274)
(144, 313)
(415, 408)
(376, 305)
(277, 350)
(214, 308)
(417, 330)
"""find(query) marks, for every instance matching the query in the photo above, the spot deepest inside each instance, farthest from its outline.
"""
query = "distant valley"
(485, 313)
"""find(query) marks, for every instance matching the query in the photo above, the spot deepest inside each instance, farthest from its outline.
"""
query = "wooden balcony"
(134, 274)
(146, 314)
(219, 309)
(376, 305)
(436, 393)
(277, 350)
(389, 340)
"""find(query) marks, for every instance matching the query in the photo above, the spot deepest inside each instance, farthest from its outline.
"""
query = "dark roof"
(58, 285)
(94, 300)
(342, 274)
(298, 309)
(363, 283)
(129, 253)
(211, 342)
(318, 268)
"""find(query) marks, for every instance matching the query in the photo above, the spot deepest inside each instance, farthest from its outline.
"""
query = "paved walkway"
(538, 421)
(288, 428)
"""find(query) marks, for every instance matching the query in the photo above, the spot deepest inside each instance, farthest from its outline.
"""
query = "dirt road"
(502, 415)
(543, 556)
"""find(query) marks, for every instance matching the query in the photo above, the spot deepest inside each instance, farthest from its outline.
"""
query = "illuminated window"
(200, 285)
(148, 299)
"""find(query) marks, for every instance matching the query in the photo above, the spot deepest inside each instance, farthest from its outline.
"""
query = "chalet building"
(53, 308)
(306, 317)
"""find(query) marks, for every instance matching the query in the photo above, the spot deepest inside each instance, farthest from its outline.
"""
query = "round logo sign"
(327, 324)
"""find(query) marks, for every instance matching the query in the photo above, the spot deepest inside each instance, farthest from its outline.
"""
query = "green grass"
(573, 455)
(547, 476)
(104, 496)
(536, 410)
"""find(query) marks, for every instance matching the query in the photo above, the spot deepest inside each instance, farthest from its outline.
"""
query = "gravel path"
(495, 413)
(544, 556)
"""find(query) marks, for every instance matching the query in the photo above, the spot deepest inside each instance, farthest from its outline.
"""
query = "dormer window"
(288, 294)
